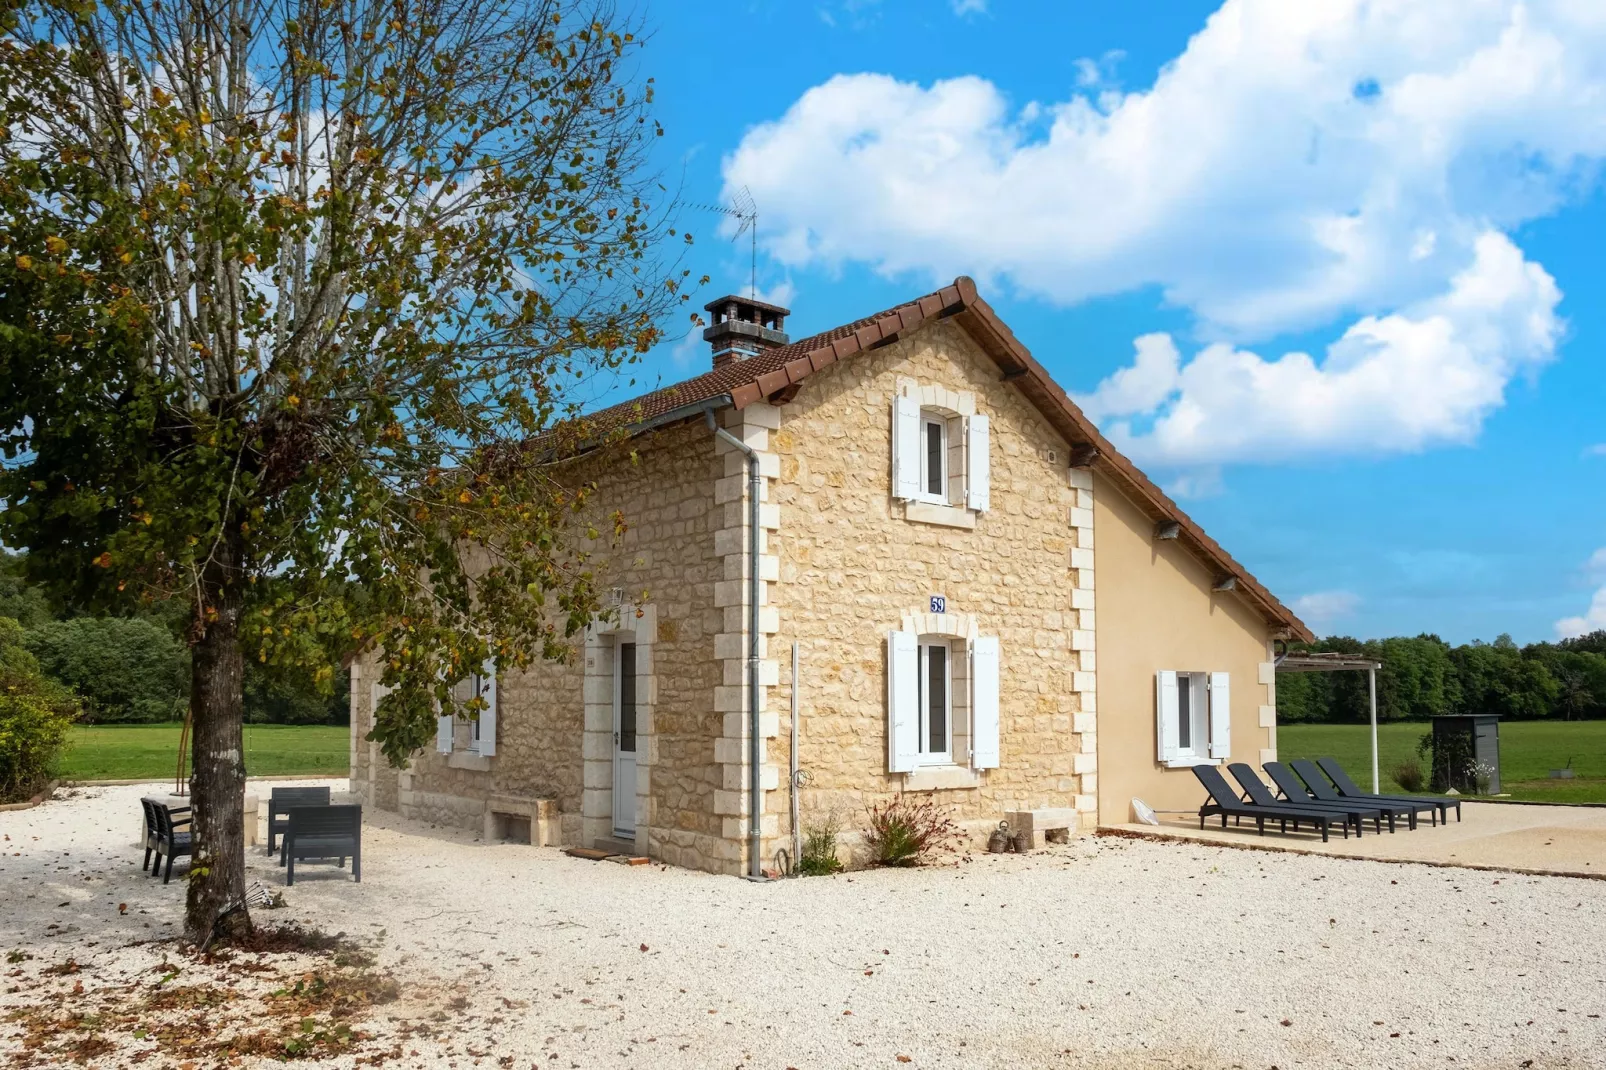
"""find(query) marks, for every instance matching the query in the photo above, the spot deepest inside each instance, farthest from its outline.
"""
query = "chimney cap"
(718, 305)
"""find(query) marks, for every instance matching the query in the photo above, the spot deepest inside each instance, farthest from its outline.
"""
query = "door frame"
(624, 789)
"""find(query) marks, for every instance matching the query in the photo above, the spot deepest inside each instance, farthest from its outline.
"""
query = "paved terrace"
(1523, 838)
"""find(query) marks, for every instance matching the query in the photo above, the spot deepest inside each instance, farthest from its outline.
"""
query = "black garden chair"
(280, 803)
(179, 814)
(172, 839)
(323, 832)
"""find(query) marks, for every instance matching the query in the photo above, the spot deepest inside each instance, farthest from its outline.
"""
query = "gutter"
(755, 863)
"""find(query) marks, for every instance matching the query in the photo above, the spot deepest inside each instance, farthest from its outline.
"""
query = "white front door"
(624, 739)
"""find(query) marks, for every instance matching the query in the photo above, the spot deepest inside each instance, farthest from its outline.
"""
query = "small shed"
(1465, 744)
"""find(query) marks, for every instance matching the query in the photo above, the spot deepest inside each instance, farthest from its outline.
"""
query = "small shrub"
(35, 714)
(819, 849)
(905, 833)
(1409, 775)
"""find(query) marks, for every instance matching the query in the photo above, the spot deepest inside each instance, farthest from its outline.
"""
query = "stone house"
(962, 588)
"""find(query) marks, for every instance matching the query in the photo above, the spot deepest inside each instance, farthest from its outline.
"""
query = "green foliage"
(1408, 775)
(35, 715)
(903, 832)
(1424, 676)
(124, 668)
(20, 600)
(819, 849)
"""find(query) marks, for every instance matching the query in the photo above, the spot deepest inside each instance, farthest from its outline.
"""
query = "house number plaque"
(939, 604)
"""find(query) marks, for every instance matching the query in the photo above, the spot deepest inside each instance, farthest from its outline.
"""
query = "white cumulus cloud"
(1425, 375)
(1297, 166)
(1321, 608)
(1594, 617)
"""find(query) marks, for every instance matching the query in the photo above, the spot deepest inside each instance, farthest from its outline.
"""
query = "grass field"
(1528, 751)
(124, 752)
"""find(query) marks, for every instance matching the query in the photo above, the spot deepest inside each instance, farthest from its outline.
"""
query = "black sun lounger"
(1284, 780)
(1224, 801)
(1321, 788)
(1346, 788)
(1260, 795)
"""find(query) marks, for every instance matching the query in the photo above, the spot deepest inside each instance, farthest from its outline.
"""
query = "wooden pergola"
(1324, 662)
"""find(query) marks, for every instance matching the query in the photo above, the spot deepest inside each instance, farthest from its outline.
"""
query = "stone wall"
(664, 570)
(854, 566)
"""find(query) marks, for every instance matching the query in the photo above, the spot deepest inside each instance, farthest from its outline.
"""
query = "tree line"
(136, 670)
(1423, 676)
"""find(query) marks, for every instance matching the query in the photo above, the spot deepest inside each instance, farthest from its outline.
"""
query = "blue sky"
(1170, 204)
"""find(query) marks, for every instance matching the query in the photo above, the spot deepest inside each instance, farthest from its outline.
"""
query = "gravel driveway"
(1105, 953)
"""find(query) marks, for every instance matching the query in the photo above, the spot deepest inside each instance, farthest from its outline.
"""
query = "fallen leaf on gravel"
(643, 947)
(1286, 1021)
(904, 1059)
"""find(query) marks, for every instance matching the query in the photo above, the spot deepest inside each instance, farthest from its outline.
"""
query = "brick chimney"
(742, 327)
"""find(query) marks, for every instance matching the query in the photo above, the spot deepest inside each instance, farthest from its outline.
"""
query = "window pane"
(1184, 711)
(934, 459)
(937, 690)
(627, 697)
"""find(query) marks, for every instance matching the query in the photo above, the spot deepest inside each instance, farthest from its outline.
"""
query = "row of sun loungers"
(1323, 798)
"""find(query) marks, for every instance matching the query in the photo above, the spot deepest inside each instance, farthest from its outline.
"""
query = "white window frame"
(930, 418)
(476, 684)
(1196, 712)
(927, 756)
(1193, 715)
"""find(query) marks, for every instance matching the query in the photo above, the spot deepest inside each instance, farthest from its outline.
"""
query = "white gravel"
(1106, 953)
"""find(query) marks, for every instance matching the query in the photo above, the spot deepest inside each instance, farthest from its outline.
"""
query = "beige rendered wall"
(1157, 611)
(666, 560)
(852, 568)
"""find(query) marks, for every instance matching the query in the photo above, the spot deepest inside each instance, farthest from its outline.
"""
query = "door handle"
(616, 739)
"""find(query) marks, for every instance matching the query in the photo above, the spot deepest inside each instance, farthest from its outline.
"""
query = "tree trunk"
(217, 869)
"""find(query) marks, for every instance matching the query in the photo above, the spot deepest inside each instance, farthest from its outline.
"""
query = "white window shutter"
(905, 447)
(1165, 713)
(903, 701)
(1220, 715)
(984, 703)
(979, 492)
(487, 743)
(443, 734)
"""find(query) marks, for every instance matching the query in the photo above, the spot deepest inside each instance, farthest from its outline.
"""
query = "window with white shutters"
(1193, 717)
(940, 457)
(484, 684)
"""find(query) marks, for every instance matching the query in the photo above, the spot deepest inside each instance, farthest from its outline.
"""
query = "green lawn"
(1528, 751)
(124, 752)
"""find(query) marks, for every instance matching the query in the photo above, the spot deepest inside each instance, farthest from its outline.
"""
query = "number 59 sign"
(939, 604)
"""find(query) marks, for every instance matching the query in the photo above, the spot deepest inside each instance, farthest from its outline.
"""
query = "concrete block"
(1085, 763)
(1081, 518)
(1041, 820)
(1268, 672)
(1085, 722)
(1081, 558)
(762, 414)
(1081, 599)
(1086, 804)
(1090, 783)
(1090, 742)
(1268, 716)
(1081, 640)
(1081, 478)
(1082, 681)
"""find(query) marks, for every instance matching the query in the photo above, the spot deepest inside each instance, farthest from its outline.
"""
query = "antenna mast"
(744, 210)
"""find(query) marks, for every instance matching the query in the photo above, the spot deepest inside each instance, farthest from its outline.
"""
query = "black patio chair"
(1284, 780)
(323, 832)
(280, 802)
(180, 815)
(1322, 788)
(172, 839)
(1256, 792)
(1347, 789)
(1225, 802)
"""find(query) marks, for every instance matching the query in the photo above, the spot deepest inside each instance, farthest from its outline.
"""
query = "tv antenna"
(744, 210)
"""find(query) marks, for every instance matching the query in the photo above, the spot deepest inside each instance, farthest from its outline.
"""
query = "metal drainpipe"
(755, 861)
